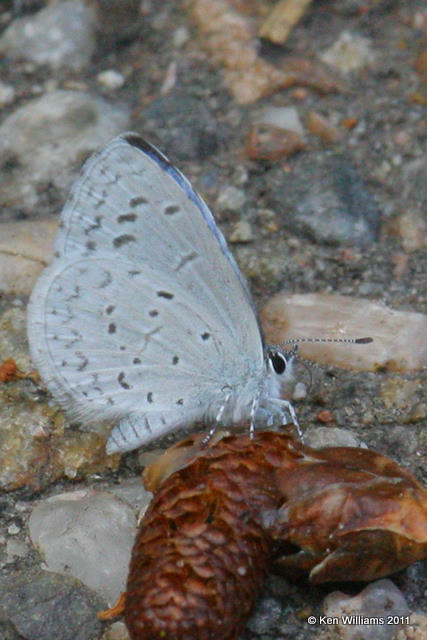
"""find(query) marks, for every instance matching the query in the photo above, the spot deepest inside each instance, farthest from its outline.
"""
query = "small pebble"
(285, 118)
(300, 391)
(117, 631)
(319, 126)
(241, 232)
(180, 37)
(267, 142)
(411, 227)
(326, 416)
(13, 529)
(110, 79)
(7, 94)
(349, 53)
(230, 199)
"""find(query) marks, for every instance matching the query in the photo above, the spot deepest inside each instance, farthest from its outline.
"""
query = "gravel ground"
(366, 174)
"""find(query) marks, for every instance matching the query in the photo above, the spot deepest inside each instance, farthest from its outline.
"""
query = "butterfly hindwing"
(143, 308)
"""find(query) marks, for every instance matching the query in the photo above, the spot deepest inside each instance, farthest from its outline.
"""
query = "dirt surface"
(381, 156)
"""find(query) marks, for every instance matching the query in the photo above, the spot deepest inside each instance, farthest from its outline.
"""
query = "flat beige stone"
(399, 342)
(25, 249)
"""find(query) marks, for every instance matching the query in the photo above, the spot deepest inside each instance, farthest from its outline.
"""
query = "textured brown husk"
(223, 513)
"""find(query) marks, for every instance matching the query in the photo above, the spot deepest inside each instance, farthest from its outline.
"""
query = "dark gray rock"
(42, 605)
(185, 125)
(8, 631)
(333, 206)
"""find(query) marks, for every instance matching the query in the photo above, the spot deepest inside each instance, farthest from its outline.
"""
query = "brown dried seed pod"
(353, 513)
(223, 513)
(202, 553)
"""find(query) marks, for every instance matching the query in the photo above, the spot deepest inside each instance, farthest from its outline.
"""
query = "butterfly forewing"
(143, 308)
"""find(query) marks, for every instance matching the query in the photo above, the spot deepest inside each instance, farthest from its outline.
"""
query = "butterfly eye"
(278, 362)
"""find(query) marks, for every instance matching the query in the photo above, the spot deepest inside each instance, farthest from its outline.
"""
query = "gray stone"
(267, 613)
(88, 535)
(61, 35)
(45, 141)
(333, 206)
(43, 605)
(189, 130)
(330, 437)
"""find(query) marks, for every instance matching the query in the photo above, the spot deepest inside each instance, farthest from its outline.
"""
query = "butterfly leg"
(218, 418)
(254, 409)
(286, 407)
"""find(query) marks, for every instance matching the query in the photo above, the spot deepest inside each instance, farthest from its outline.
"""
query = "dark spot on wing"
(126, 238)
(205, 335)
(82, 366)
(112, 327)
(126, 217)
(175, 360)
(165, 294)
(109, 310)
(107, 280)
(134, 202)
(150, 397)
(171, 209)
(91, 245)
(121, 380)
(180, 401)
(153, 313)
(136, 361)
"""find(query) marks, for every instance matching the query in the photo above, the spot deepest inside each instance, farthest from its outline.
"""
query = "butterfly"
(143, 319)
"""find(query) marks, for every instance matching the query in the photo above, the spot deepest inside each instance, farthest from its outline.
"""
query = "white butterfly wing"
(143, 310)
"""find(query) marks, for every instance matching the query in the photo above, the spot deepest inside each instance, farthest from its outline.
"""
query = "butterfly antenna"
(296, 341)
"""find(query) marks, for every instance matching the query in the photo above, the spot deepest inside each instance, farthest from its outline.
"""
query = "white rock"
(45, 141)
(330, 437)
(7, 94)
(378, 600)
(230, 199)
(116, 631)
(133, 492)
(285, 118)
(300, 391)
(61, 35)
(111, 79)
(88, 535)
(13, 529)
(241, 232)
(180, 36)
(350, 52)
